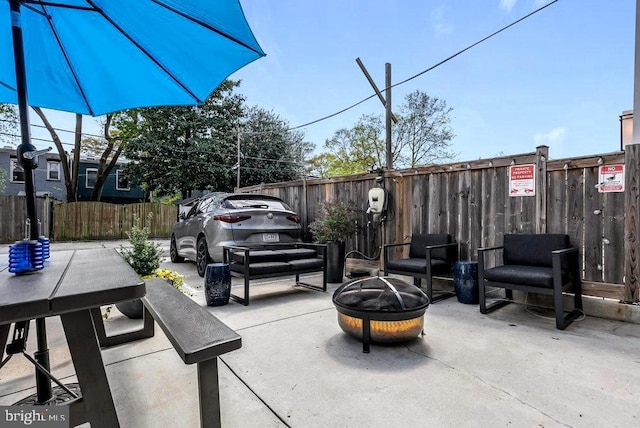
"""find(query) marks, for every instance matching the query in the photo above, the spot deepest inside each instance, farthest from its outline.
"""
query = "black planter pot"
(335, 261)
(131, 309)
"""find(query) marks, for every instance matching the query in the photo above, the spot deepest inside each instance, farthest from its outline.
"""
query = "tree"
(356, 150)
(422, 135)
(179, 149)
(111, 150)
(270, 152)
(9, 129)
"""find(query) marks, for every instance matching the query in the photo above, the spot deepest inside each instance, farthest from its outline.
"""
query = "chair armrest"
(499, 247)
(430, 248)
(385, 250)
(481, 252)
(226, 249)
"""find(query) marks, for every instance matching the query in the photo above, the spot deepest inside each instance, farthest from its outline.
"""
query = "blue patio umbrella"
(99, 56)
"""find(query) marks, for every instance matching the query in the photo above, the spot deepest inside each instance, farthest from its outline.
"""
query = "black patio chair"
(430, 254)
(535, 263)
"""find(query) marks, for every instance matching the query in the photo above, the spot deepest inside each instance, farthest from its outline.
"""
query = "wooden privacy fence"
(13, 215)
(98, 220)
(472, 202)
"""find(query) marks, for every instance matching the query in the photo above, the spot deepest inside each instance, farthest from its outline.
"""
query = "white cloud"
(555, 137)
(507, 4)
(440, 23)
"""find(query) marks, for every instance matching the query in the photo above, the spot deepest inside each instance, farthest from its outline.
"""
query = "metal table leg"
(87, 360)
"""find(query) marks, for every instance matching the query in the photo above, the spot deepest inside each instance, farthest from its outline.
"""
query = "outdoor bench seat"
(274, 260)
(197, 336)
(535, 263)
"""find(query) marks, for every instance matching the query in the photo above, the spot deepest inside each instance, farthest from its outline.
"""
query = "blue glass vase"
(217, 284)
(465, 282)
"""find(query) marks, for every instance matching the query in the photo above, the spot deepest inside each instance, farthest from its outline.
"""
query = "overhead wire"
(449, 58)
(495, 33)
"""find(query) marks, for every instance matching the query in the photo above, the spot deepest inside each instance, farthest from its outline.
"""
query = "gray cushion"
(257, 256)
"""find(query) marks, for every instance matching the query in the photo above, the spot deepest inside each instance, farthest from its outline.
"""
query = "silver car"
(220, 219)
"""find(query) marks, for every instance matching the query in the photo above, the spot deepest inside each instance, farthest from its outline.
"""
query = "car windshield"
(254, 203)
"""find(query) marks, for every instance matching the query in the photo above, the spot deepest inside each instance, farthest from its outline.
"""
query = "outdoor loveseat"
(538, 263)
(274, 260)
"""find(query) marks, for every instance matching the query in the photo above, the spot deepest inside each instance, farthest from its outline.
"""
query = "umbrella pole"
(28, 164)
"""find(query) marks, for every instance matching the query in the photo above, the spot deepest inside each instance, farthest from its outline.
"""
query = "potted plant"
(335, 222)
(144, 257)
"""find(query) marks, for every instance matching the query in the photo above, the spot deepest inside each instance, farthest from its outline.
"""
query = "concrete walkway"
(297, 368)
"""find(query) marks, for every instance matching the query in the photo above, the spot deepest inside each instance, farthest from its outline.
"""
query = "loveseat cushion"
(418, 265)
(534, 249)
(297, 254)
(262, 268)
(257, 256)
(535, 276)
(305, 264)
(420, 240)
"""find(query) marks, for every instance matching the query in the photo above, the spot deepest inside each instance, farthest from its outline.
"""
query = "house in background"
(48, 177)
(116, 190)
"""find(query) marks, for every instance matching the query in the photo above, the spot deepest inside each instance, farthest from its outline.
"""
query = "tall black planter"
(335, 261)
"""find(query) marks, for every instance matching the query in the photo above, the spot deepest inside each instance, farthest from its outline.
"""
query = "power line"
(428, 69)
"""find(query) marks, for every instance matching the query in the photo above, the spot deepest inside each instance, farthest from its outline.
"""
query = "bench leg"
(209, 393)
(4, 334)
(105, 341)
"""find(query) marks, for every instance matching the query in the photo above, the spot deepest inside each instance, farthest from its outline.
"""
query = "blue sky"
(561, 77)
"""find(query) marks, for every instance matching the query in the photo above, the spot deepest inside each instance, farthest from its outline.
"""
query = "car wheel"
(202, 256)
(173, 251)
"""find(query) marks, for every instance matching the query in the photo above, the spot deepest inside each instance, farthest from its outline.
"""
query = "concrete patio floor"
(297, 368)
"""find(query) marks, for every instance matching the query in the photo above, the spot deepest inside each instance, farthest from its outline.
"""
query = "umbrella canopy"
(99, 56)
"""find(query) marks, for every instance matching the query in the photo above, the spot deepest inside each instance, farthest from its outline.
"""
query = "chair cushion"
(418, 265)
(420, 240)
(535, 276)
(262, 268)
(532, 250)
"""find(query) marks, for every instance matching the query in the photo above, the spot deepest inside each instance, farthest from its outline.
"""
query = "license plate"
(271, 237)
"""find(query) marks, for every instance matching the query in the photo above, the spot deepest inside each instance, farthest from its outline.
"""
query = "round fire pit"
(380, 309)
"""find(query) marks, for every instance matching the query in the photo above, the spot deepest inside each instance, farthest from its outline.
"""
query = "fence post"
(542, 155)
(632, 224)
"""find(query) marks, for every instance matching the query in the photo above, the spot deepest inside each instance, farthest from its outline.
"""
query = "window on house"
(91, 177)
(53, 170)
(17, 173)
(122, 182)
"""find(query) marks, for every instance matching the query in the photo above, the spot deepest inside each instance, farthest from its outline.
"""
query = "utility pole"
(386, 102)
(389, 114)
(238, 164)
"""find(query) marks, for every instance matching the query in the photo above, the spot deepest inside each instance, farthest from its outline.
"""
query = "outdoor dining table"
(70, 285)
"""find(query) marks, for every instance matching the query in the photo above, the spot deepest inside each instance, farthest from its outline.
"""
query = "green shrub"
(335, 222)
(143, 256)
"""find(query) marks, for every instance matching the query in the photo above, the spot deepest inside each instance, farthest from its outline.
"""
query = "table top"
(70, 281)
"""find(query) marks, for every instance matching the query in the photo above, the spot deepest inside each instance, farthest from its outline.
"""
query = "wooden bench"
(197, 335)
(274, 260)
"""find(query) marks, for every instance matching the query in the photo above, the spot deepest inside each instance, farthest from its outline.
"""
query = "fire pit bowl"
(380, 310)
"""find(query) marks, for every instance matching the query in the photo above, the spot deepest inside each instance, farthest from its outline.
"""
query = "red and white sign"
(611, 178)
(522, 180)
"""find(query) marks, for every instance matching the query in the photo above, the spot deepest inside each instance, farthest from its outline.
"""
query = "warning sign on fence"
(611, 178)
(522, 180)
